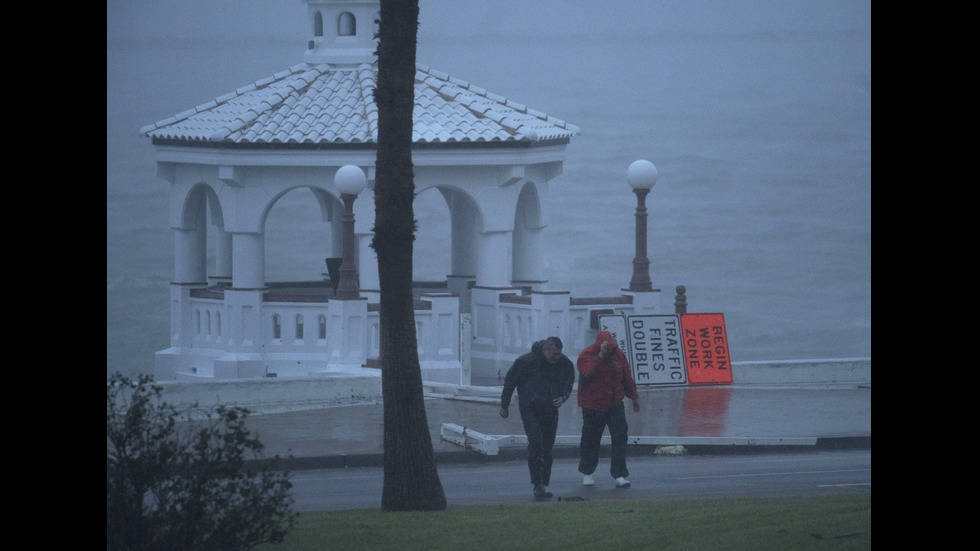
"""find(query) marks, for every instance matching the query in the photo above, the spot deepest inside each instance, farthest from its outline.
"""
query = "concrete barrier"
(277, 395)
(841, 371)
(280, 394)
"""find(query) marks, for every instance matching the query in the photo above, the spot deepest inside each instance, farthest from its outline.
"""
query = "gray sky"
(196, 19)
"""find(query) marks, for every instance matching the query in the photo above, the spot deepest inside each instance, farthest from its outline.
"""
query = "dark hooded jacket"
(538, 382)
(603, 383)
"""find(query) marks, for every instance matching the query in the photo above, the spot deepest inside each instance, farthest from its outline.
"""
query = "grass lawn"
(828, 522)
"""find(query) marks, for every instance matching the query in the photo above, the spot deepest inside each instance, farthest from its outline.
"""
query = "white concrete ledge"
(839, 371)
(275, 395)
(490, 444)
(279, 394)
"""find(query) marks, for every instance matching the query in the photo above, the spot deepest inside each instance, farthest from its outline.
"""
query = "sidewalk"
(703, 419)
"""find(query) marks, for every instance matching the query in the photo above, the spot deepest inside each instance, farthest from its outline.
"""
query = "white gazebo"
(230, 159)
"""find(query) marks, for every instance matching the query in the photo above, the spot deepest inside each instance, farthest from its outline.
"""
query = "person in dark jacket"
(543, 379)
(605, 379)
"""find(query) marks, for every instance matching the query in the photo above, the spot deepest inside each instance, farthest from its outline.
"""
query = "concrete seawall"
(840, 371)
(276, 395)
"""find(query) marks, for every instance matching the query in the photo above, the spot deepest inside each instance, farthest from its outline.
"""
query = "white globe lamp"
(350, 181)
(641, 176)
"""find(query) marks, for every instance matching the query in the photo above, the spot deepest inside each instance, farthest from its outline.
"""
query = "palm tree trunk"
(411, 480)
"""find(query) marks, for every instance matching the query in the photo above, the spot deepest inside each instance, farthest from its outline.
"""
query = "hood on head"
(606, 336)
(538, 347)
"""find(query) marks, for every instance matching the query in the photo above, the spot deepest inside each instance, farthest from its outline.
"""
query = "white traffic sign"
(652, 345)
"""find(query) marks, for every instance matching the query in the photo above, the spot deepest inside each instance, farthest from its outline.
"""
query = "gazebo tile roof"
(334, 105)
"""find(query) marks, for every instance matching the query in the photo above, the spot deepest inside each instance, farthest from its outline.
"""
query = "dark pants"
(593, 424)
(540, 425)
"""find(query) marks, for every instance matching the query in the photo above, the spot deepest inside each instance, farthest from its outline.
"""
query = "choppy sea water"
(762, 141)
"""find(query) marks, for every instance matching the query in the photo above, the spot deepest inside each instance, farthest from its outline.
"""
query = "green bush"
(187, 479)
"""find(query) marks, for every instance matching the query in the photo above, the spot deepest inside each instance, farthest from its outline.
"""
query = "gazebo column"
(367, 263)
(494, 268)
(248, 262)
(223, 256)
(366, 258)
(465, 231)
(190, 255)
(529, 257)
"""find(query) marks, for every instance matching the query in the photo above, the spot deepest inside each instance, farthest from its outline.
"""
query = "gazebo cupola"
(342, 32)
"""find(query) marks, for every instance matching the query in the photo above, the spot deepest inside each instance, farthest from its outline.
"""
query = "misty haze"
(757, 115)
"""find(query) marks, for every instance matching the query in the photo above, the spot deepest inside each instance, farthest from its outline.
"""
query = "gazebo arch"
(528, 247)
(330, 210)
(346, 24)
(465, 225)
(189, 222)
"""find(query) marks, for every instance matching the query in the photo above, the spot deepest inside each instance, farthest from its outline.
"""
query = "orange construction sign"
(705, 343)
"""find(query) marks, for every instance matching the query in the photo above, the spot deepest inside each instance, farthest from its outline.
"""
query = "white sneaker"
(587, 480)
(621, 482)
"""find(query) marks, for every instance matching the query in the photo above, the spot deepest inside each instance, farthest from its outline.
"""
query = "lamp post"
(350, 181)
(641, 175)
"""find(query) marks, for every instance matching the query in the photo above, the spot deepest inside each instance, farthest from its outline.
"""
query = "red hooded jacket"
(603, 383)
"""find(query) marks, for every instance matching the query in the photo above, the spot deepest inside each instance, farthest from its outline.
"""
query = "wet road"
(652, 477)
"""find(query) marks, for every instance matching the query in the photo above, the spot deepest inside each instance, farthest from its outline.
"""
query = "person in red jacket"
(605, 379)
